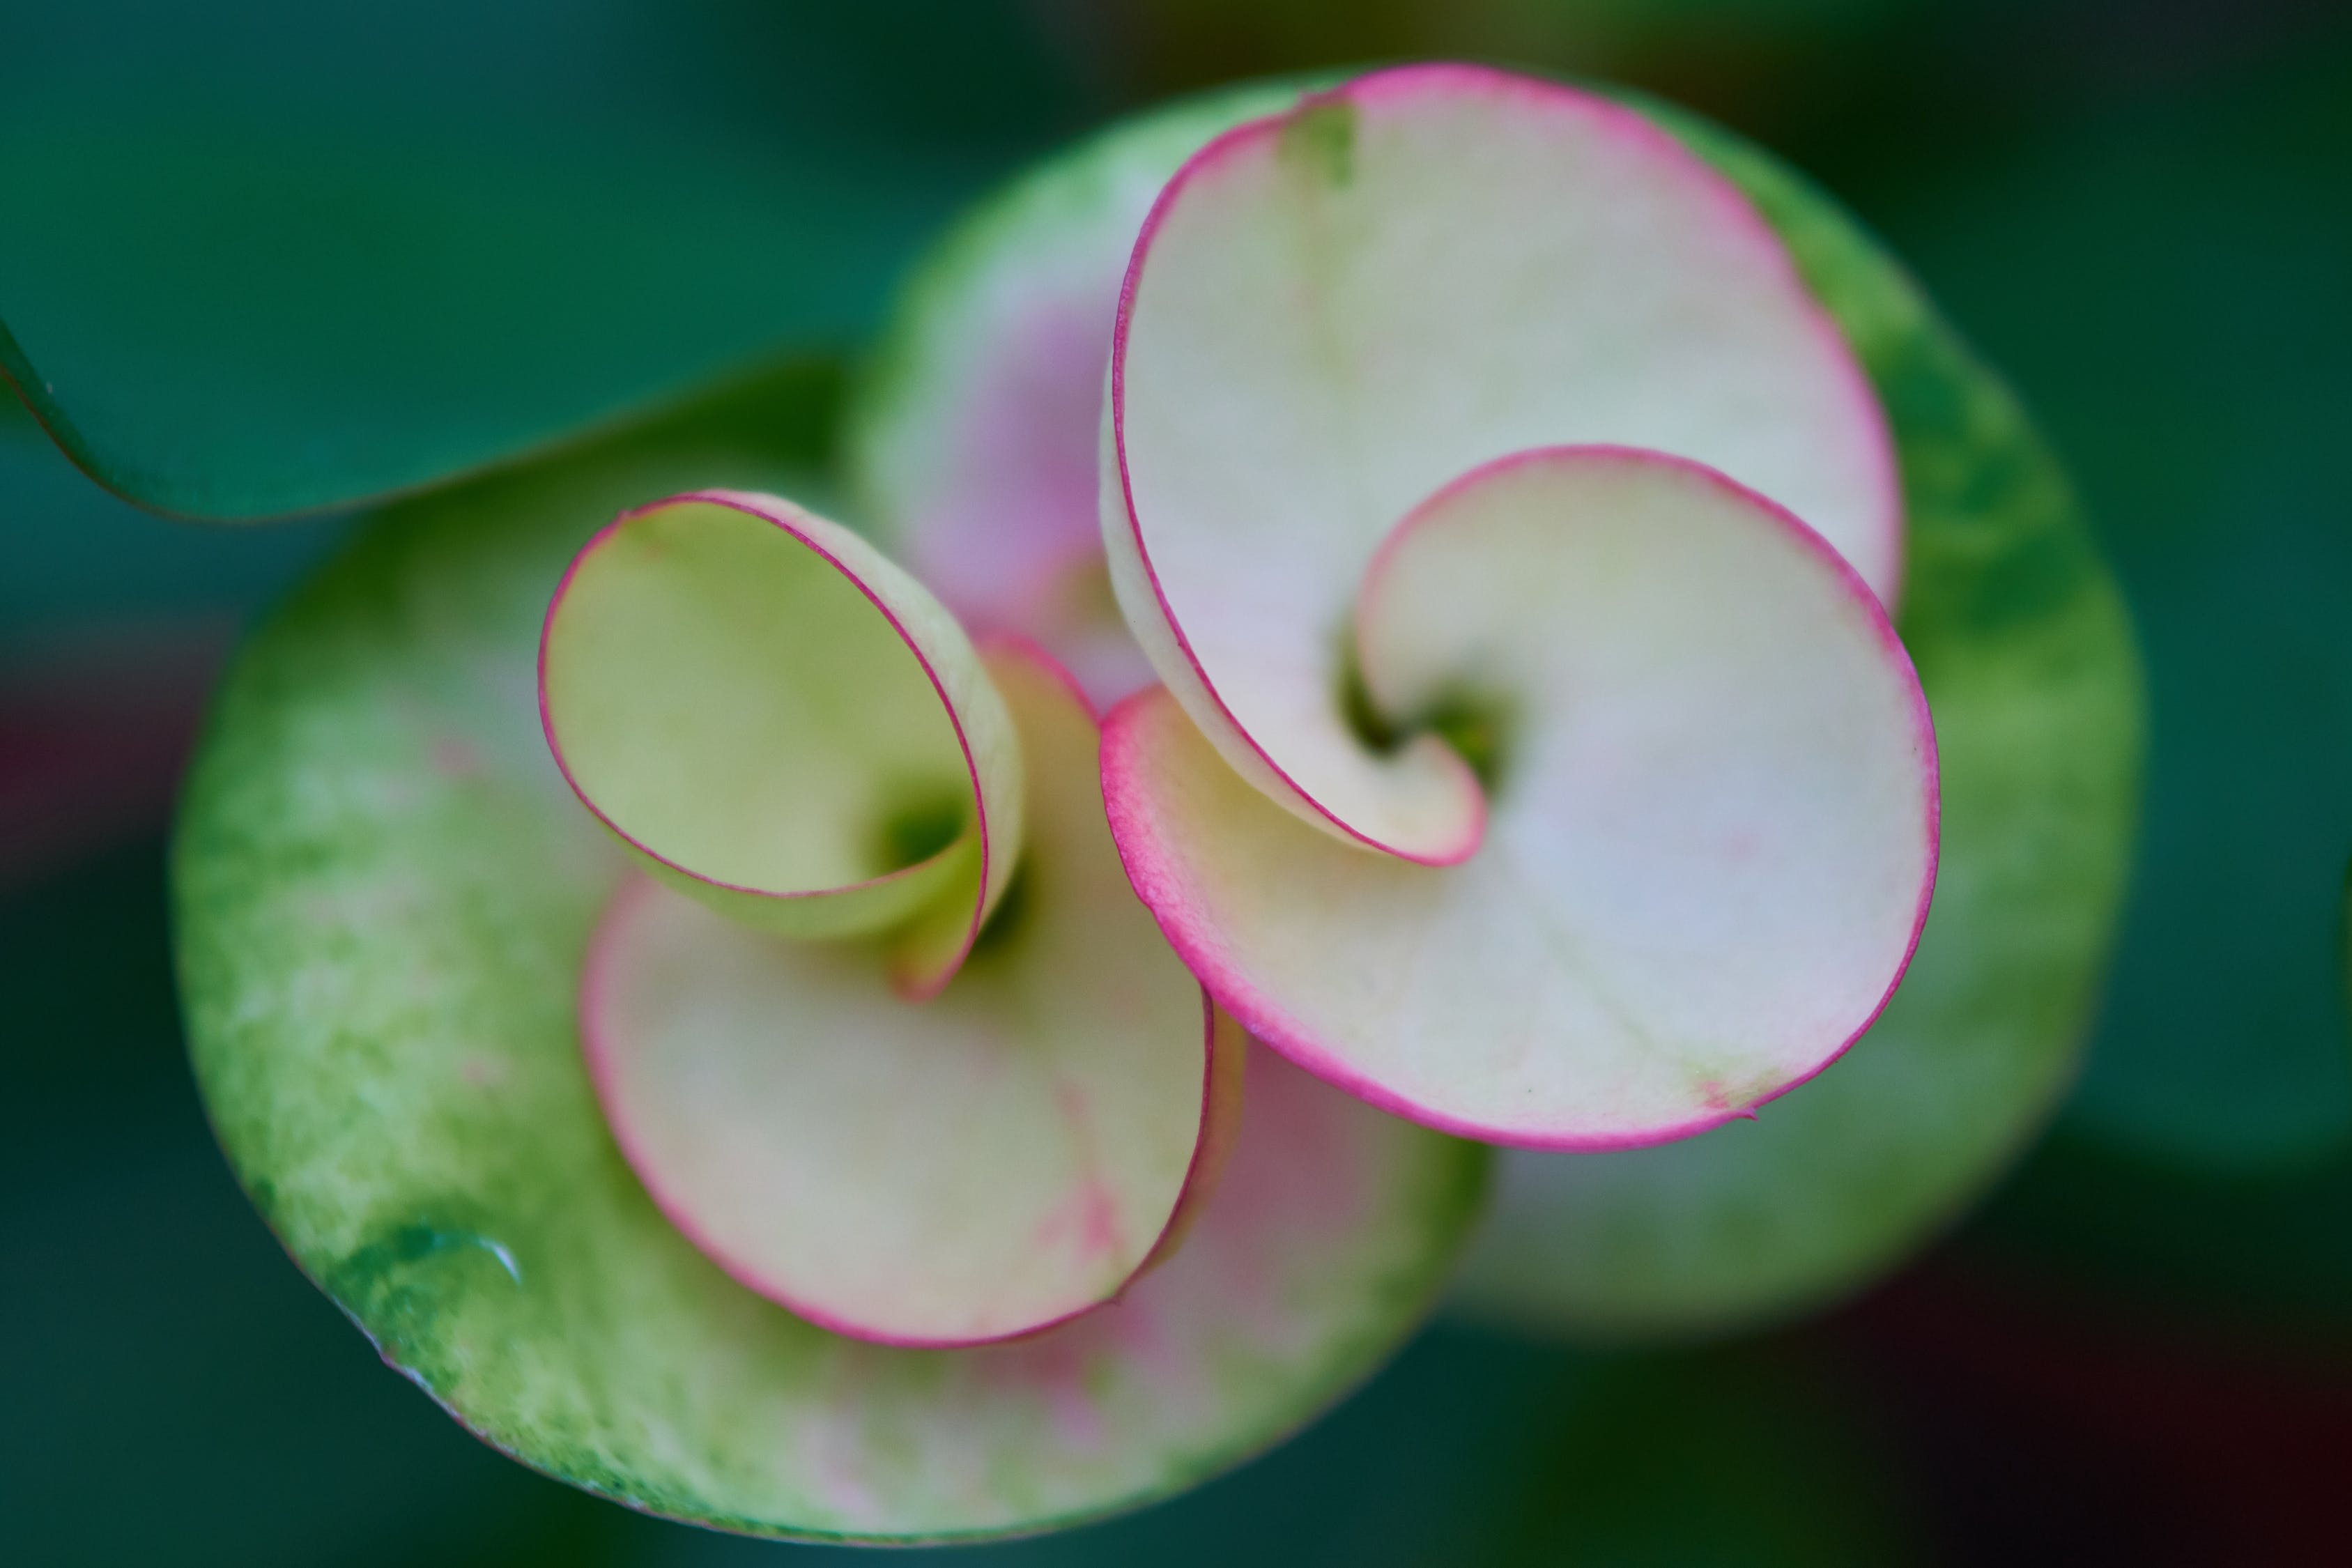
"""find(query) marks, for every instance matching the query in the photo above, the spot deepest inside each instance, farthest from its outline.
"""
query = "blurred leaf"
(77, 557)
(293, 257)
(154, 1330)
(2168, 284)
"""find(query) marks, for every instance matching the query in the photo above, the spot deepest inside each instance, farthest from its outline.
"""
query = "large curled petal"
(781, 723)
(2026, 653)
(970, 442)
(1713, 834)
(385, 891)
(997, 1159)
(1333, 312)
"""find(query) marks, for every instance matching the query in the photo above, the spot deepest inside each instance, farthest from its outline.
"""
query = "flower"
(388, 904)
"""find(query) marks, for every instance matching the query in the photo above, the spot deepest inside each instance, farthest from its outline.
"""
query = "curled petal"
(1713, 834)
(980, 1167)
(1333, 312)
(778, 720)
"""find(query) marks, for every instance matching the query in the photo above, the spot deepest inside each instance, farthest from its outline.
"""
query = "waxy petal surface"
(384, 895)
(983, 1165)
(781, 723)
(1333, 312)
(1712, 841)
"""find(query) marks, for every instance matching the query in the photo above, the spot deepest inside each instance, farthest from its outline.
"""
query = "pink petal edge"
(1149, 860)
(917, 989)
(1402, 81)
(1200, 1177)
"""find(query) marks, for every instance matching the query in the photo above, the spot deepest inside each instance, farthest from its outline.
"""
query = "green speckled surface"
(382, 893)
(2024, 647)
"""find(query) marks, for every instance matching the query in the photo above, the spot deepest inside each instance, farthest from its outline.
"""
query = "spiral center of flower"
(1480, 726)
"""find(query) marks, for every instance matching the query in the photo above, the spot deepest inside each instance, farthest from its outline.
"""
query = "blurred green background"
(263, 257)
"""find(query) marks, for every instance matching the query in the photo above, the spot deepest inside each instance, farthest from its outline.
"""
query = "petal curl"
(1332, 312)
(1000, 1159)
(778, 720)
(1713, 834)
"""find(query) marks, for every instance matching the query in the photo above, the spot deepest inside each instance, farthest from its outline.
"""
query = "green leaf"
(384, 894)
(249, 276)
(2022, 643)
(2166, 279)
(1469, 1451)
(80, 557)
